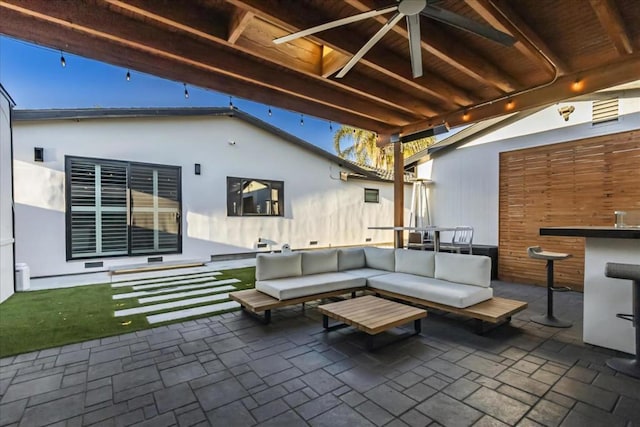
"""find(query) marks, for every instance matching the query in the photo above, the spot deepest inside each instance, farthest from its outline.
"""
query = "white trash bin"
(23, 277)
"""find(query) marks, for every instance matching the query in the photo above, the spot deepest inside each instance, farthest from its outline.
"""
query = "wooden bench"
(495, 311)
(253, 301)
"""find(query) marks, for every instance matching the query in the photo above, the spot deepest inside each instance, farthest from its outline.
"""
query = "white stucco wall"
(466, 180)
(318, 206)
(6, 211)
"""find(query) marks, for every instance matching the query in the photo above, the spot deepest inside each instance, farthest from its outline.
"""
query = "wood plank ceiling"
(563, 49)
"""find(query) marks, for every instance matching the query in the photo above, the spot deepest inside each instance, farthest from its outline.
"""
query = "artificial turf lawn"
(42, 319)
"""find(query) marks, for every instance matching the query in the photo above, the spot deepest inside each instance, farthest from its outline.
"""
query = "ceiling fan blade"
(337, 23)
(372, 41)
(467, 24)
(415, 49)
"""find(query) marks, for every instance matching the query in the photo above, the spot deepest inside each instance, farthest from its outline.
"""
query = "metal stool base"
(629, 367)
(552, 321)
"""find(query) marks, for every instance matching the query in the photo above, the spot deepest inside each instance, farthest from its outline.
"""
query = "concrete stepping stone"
(171, 289)
(180, 282)
(177, 295)
(195, 311)
(170, 305)
(155, 274)
(124, 284)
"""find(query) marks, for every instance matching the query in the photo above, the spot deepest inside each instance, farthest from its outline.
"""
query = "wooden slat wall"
(573, 183)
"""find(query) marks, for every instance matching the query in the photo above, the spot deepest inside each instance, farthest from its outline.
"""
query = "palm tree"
(362, 147)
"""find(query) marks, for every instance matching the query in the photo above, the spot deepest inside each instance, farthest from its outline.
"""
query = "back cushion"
(276, 266)
(351, 258)
(421, 263)
(380, 258)
(467, 269)
(314, 262)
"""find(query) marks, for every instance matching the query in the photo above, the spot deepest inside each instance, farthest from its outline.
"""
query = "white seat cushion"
(467, 269)
(365, 272)
(274, 266)
(323, 261)
(380, 258)
(295, 287)
(351, 258)
(430, 289)
(422, 263)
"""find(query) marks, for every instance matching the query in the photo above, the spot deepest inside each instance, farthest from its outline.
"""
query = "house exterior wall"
(466, 180)
(6, 202)
(318, 206)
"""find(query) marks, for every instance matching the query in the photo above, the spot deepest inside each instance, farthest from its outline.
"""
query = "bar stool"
(549, 319)
(630, 367)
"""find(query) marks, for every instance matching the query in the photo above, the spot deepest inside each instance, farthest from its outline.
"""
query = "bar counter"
(603, 296)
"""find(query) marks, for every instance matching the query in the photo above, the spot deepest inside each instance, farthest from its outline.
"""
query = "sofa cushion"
(351, 258)
(275, 266)
(365, 272)
(295, 287)
(430, 289)
(324, 261)
(421, 263)
(467, 269)
(380, 258)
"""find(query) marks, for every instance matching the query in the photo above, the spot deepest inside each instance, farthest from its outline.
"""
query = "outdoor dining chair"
(461, 241)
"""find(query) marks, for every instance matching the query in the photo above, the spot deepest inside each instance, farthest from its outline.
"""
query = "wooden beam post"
(398, 191)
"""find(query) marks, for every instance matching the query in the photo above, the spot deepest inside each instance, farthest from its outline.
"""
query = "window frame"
(376, 192)
(281, 198)
(127, 164)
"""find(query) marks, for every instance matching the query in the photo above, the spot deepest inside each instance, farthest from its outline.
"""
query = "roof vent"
(604, 110)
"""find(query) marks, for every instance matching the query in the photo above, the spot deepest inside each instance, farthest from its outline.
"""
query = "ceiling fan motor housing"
(411, 7)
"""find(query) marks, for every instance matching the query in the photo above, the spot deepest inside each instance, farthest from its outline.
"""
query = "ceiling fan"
(411, 9)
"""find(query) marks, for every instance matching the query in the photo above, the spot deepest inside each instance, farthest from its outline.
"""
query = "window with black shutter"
(119, 208)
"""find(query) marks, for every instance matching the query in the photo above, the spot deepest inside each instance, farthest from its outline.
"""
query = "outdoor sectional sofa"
(451, 282)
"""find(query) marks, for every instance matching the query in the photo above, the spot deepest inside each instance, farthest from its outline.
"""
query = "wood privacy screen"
(568, 184)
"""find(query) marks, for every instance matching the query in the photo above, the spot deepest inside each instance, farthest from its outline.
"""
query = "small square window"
(371, 195)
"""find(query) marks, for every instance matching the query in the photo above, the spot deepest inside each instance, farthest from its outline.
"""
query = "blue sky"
(34, 78)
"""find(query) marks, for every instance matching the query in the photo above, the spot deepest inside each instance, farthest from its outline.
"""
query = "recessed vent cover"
(605, 110)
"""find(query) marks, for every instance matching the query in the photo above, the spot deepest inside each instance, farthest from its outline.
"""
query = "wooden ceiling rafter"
(609, 16)
(159, 12)
(380, 59)
(222, 62)
(454, 54)
(528, 43)
(238, 23)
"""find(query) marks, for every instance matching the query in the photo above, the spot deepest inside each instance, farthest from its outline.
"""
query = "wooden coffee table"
(372, 315)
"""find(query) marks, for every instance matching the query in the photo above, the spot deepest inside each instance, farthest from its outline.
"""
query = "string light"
(330, 127)
(230, 101)
(186, 92)
(63, 62)
(301, 120)
(465, 116)
(128, 75)
(269, 112)
(576, 86)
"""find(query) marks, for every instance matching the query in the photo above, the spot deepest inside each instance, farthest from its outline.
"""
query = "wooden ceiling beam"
(611, 21)
(82, 17)
(528, 41)
(56, 37)
(296, 16)
(562, 89)
(239, 21)
(456, 55)
(257, 40)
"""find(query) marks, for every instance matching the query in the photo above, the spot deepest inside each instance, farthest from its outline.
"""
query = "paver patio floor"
(228, 370)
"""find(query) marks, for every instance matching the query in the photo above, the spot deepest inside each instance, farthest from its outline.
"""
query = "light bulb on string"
(269, 112)
(186, 92)
(63, 62)
(301, 120)
(128, 77)
(230, 101)
(330, 127)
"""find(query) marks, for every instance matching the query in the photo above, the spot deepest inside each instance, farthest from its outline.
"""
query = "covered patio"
(229, 369)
